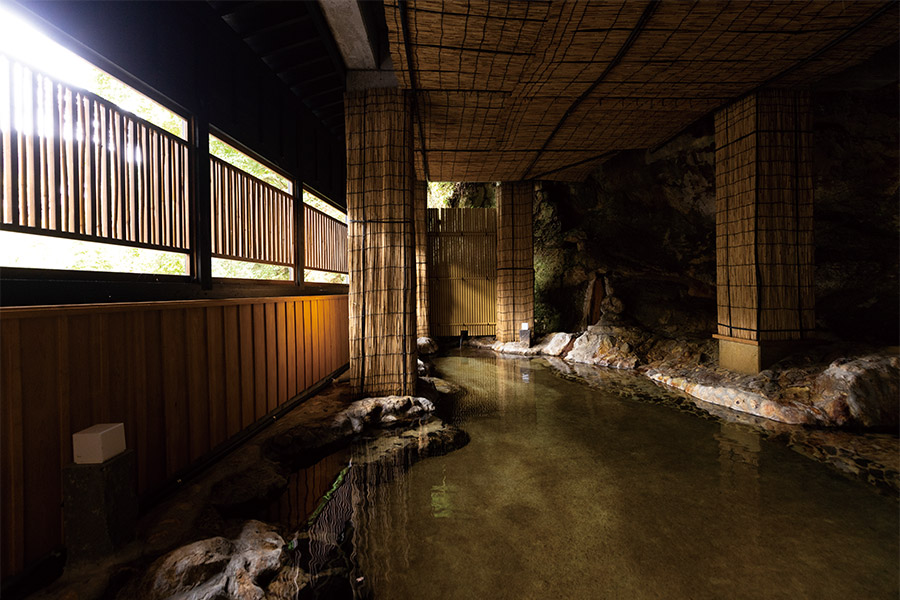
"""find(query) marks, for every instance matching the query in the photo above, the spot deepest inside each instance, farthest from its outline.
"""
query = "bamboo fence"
(515, 260)
(764, 226)
(421, 204)
(382, 242)
(73, 165)
(251, 219)
(462, 282)
(325, 241)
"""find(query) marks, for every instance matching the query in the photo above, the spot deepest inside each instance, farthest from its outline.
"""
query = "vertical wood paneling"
(155, 428)
(300, 333)
(281, 352)
(63, 394)
(271, 359)
(136, 435)
(248, 400)
(235, 414)
(291, 356)
(174, 390)
(12, 457)
(182, 376)
(261, 385)
(216, 375)
(198, 390)
(99, 366)
(40, 448)
(307, 343)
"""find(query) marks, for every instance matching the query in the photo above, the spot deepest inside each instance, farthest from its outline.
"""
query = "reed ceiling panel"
(525, 80)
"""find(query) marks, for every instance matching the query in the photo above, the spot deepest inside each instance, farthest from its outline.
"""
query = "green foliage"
(323, 206)
(240, 269)
(236, 158)
(108, 87)
(439, 193)
(313, 276)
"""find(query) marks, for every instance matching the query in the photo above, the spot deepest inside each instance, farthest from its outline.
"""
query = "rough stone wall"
(857, 216)
(635, 243)
(473, 195)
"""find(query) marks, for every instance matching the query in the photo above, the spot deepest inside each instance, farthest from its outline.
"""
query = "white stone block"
(98, 443)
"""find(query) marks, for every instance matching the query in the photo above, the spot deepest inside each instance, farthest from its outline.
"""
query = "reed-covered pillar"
(420, 197)
(515, 260)
(381, 229)
(764, 228)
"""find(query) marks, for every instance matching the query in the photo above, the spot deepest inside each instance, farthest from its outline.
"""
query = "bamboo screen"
(515, 260)
(73, 165)
(382, 244)
(547, 89)
(462, 282)
(325, 241)
(420, 197)
(251, 219)
(764, 228)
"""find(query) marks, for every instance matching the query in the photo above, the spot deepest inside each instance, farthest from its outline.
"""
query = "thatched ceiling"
(513, 90)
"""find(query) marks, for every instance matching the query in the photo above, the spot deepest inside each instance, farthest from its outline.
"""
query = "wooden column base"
(750, 356)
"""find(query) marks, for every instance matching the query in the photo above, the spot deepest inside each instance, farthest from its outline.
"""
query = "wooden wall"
(184, 377)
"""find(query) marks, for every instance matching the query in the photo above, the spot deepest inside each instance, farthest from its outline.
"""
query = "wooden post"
(423, 328)
(764, 228)
(200, 213)
(380, 176)
(299, 234)
(515, 260)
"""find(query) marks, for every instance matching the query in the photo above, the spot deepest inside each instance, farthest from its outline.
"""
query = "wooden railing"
(251, 219)
(74, 165)
(325, 241)
(184, 377)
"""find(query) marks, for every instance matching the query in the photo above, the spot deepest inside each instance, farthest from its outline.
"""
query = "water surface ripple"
(570, 492)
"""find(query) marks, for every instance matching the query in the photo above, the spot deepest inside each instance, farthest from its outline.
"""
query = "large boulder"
(216, 568)
(387, 411)
(257, 552)
(198, 568)
(860, 391)
(426, 346)
(602, 346)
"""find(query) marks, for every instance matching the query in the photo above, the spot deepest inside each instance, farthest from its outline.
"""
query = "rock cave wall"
(636, 242)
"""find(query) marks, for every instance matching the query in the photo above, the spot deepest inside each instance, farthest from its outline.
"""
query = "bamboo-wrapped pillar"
(421, 204)
(380, 211)
(515, 260)
(764, 228)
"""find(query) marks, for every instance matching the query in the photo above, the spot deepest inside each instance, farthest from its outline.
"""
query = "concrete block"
(99, 443)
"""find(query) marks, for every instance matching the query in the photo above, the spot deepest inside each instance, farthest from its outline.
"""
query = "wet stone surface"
(870, 457)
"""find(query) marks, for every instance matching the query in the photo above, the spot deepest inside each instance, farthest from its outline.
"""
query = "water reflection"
(305, 490)
(570, 492)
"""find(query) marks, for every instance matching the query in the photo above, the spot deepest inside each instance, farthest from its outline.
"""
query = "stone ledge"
(830, 386)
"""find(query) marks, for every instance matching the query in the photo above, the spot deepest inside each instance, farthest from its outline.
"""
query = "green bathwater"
(569, 492)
